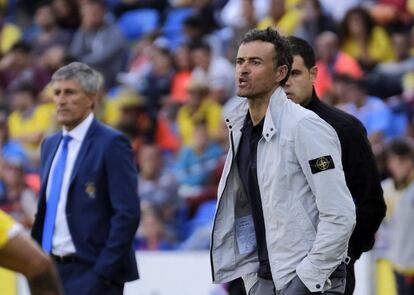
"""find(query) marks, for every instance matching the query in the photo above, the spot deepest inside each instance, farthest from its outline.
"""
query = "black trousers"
(350, 279)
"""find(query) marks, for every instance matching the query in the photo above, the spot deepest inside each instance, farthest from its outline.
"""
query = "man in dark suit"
(360, 169)
(88, 209)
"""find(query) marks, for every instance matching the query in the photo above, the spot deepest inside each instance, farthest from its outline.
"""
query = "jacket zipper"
(218, 206)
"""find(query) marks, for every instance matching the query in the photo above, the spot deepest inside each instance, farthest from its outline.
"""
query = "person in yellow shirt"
(198, 108)
(19, 253)
(9, 33)
(29, 122)
(364, 40)
(282, 18)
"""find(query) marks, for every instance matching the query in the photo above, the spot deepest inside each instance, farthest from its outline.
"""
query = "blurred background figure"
(364, 40)
(388, 247)
(196, 163)
(217, 71)
(281, 17)
(377, 117)
(200, 107)
(99, 43)
(18, 199)
(331, 60)
(159, 188)
(29, 121)
(152, 234)
(46, 32)
(9, 32)
(313, 21)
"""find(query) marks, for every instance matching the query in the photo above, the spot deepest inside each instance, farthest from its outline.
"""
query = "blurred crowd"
(168, 74)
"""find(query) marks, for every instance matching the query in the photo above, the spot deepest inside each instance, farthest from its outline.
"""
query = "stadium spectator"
(19, 67)
(338, 9)
(157, 187)
(46, 31)
(99, 43)
(139, 63)
(9, 146)
(364, 40)
(67, 14)
(403, 61)
(217, 71)
(331, 60)
(152, 234)
(155, 86)
(313, 21)
(182, 59)
(199, 108)
(9, 33)
(29, 121)
(195, 32)
(281, 17)
(374, 114)
(400, 166)
(19, 200)
(242, 13)
(241, 16)
(196, 163)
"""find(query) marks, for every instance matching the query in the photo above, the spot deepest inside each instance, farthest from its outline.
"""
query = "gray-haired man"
(88, 208)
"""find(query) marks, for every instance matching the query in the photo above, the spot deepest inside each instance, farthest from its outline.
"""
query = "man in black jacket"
(358, 161)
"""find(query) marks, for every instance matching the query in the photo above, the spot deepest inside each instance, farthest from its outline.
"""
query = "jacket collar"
(235, 115)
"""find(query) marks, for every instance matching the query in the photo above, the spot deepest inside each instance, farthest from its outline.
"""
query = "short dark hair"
(100, 3)
(400, 148)
(200, 45)
(367, 21)
(193, 21)
(24, 86)
(22, 47)
(302, 48)
(281, 45)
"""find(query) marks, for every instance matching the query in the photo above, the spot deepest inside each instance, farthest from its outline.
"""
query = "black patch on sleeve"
(321, 164)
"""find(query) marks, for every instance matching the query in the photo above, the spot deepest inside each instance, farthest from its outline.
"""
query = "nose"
(60, 99)
(287, 84)
(242, 68)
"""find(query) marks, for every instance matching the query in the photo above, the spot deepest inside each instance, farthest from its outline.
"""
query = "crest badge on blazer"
(90, 189)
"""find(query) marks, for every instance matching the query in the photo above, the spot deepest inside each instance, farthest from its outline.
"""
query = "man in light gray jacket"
(284, 214)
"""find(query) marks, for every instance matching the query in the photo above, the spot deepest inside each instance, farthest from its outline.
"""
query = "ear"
(92, 100)
(313, 72)
(281, 73)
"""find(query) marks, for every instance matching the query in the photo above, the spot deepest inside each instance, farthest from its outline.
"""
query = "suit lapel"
(84, 149)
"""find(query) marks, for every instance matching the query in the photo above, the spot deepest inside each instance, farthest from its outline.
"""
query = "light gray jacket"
(308, 216)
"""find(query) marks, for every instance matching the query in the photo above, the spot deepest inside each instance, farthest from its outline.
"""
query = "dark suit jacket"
(102, 206)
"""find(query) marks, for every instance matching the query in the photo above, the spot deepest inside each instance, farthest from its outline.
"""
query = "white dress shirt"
(62, 243)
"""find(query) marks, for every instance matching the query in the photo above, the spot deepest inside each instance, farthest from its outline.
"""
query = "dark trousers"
(297, 287)
(405, 284)
(350, 279)
(80, 279)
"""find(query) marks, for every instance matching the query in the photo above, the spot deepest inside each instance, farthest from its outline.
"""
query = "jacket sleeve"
(318, 152)
(365, 185)
(122, 186)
